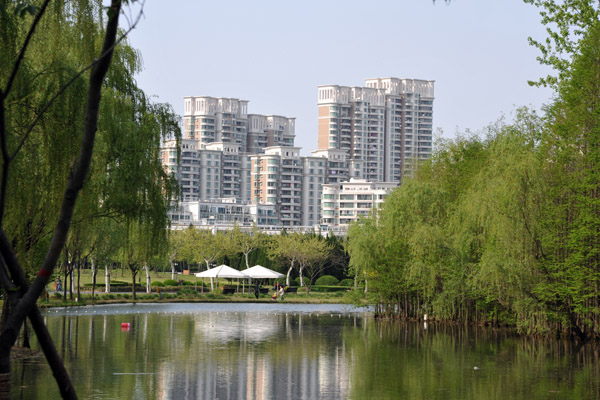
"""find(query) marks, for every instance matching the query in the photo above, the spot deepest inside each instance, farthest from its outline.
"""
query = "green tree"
(572, 217)
(311, 259)
(14, 132)
(246, 243)
(288, 249)
(567, 23)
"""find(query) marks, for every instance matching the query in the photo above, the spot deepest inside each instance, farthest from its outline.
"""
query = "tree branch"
(66, 86)
(13, 74)
(26, 305)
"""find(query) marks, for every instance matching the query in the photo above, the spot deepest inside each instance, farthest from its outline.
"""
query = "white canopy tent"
(260, 272)
(222, 271)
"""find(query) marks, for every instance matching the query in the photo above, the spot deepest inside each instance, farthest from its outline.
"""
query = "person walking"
(256, 290)
(281, 292)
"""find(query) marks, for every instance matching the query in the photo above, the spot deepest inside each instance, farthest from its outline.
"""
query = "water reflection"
(297, 352)
(200, 352)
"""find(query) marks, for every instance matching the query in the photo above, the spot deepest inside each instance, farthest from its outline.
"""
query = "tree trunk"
(148, 286)
(287, 278)
(79, 280)
(26, 343)
(300, 273)
(172, 269)
(72, 282)
(94, 272)
(106, 279)
(66, 282)
(133, 274)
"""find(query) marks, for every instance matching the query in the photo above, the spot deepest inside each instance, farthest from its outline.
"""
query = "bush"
(188, 283)
(157, 283)
(170, 282)
(325, 289)
(327, 280)
(347, 282)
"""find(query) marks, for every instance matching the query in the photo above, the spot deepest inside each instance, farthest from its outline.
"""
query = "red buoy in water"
(125, 326)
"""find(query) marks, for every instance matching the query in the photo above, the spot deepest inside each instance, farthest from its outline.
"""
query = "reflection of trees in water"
(298, 356)
(405, 360)
(202, 355)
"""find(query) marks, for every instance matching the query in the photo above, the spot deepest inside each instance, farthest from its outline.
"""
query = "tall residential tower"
(385, 127)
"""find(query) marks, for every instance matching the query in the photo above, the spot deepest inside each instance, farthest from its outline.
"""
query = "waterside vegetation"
(503, 228)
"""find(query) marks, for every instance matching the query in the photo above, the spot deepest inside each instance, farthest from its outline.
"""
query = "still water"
(291, 351)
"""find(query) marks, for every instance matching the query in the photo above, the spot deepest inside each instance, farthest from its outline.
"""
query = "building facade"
(386, 127)
(408, 123)
(269, 130)
(344, 203)
(293, 183)
(223, 212)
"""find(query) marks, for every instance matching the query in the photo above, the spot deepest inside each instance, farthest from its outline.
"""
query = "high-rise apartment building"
(408, 123)
(385, 127)
(198, 171)
(269, 130)
(293, 183)
(224, 120)
(352, 119)
(210, 119)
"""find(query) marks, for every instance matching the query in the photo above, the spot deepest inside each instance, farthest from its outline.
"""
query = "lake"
(297, 351)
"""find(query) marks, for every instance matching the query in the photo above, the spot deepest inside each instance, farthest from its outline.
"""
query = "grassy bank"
(188, 295)
(184, 288)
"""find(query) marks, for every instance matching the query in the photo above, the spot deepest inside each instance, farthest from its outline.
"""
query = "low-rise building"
(345, 202)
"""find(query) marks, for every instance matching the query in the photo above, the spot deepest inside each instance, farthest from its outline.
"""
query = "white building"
(408, 123)
(293, 183)
(386, 127)
(352, 119)
(343, 203)
(222, 212)
(269, 130)
(215, 119)
(197, 171)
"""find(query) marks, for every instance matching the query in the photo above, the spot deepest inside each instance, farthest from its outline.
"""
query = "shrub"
(325, 289)
(347, 282)
(171, 282)
(327, 280)
(188, 283)
(157, 283)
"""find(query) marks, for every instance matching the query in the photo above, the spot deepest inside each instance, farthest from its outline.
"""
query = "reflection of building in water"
(249, 356)
(222, 328)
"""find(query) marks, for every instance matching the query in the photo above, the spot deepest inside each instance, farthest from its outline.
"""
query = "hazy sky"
(276, 53)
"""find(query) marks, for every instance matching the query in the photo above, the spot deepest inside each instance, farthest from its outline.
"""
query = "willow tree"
(23, 120)
(571, 219)
(48, 131)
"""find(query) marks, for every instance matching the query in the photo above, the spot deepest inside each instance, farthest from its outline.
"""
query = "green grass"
(186, 292)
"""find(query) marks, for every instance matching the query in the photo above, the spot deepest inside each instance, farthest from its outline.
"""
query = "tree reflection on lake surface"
(277, 351)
